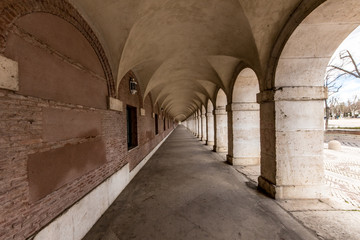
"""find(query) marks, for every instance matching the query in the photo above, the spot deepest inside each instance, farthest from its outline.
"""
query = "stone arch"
(210, 123)
(13, 10)
(58, 65)
(244, 121)
(246, 86)
(220, 123)
(295, 81)
(221, 99)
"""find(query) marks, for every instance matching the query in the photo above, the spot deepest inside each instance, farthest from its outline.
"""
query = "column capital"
(303, 93)
(219, 112)
(242, 106)
(210, 114)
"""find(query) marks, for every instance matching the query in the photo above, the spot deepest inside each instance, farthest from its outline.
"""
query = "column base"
(210, 143)
(293, 191)
(220, 149)
(243, 161)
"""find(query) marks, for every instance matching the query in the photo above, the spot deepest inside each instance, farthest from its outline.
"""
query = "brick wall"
(21, 134)
(44, 128)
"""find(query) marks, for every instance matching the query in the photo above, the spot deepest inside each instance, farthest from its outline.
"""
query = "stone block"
(242, 161)
(9, 74)
(334, 145)
(115, 104)
(299, 115)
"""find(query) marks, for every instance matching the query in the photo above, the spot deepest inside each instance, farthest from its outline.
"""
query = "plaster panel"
(48, 76)
(48, 171)
(66, 124)
(77, 46)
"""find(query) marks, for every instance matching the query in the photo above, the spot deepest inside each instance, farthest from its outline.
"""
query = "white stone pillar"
(221, 131)
(196, 125)
(210, 129)
(203, 125)
(292, 140)
(200, 127)
(244, 133)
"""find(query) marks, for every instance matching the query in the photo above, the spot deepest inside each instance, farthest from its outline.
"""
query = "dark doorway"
(156, 124)
(131, 127)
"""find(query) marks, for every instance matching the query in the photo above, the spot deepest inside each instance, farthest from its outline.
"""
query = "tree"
(338, 68)
(353, 105)
(346, 65)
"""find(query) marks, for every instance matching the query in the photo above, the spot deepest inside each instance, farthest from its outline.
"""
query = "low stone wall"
(345, 137)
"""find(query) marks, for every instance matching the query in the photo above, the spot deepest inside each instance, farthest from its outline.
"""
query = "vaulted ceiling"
(183, 51)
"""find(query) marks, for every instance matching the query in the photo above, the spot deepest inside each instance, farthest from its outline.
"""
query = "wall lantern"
(132, 85)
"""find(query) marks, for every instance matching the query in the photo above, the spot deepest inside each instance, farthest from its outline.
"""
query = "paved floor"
(187, 192)
(342, 174)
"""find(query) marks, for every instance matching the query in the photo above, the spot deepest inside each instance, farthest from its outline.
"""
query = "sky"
(351, 85)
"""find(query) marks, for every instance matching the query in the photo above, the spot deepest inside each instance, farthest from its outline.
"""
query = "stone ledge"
(243, 107)
(309, 93)
(219, 112)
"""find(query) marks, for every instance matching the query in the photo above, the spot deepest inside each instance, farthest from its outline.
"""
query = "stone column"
(210, 129)
(244, 133)
(203, 125)
(199, 126)
(292, 139)
(221, 131)
(196, 125)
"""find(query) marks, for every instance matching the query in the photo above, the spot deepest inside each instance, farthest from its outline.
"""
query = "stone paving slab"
(339, 216)
(338, 225)
(186, 192)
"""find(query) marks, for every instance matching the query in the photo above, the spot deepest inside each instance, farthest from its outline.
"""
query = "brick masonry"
(26, 129)
(21, 126)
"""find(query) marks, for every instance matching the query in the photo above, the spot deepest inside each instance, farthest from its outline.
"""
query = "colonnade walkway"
(186, 191)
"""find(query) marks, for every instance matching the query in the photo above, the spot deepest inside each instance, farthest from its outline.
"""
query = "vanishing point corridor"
(187, 192)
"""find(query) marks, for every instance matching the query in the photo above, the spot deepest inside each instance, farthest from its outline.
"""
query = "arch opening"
(244, 121)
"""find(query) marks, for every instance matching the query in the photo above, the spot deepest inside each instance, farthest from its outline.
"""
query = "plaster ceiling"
(183, 51)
